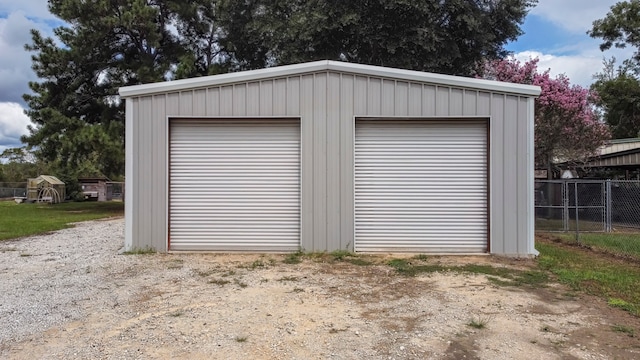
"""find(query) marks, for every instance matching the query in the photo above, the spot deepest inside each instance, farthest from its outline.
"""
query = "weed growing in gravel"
(298, 290)
(176, 314)
(624, 329)
(341, 254)
(205, 273)
(421, 257)
(229, 273)
(545, 328)
(175, 264)
(479, 322)
(25, 255)
(359, 262)
(240, 283)
(140, 251)
(241, 339)
(335, 331)
(220, 282)
(289, 278)
(294, 258)
(257, 264)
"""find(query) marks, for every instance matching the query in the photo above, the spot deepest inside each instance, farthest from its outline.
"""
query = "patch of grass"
(478, 323)
(497, 275)
(241, 339)
(624, 329)
(421, 257)
(340, 255)
(18, 220)
(219, 282)
(294, 258)
(359, 261)
(620, 304)
(620, 243)
(593, 273)
(140, 251)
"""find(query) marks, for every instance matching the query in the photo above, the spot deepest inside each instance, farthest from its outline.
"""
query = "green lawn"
(615, 280)
(18, 220)
(619, 243)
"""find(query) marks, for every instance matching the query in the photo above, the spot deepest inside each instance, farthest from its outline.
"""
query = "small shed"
(45, 188)
(330, 155)
(96, 188)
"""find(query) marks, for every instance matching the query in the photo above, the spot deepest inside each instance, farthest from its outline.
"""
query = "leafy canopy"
(566, 125)
(78, 119)
(619, 89)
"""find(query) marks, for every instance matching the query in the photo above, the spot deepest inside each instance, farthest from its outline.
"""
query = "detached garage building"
(330, 155)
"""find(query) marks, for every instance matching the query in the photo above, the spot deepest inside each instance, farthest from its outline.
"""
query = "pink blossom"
(566, 125)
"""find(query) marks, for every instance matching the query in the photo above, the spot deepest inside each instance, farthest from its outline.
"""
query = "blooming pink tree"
(567, 127)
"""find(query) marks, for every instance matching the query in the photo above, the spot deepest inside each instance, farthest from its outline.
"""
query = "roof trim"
(328, 65)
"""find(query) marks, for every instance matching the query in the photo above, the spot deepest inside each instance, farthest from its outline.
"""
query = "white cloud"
(32, 8)
(576, 16)
(579, 65)
(578, 68)
(13, 124)
(15, 61)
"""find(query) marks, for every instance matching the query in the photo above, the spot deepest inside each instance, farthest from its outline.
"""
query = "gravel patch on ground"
(70, 295)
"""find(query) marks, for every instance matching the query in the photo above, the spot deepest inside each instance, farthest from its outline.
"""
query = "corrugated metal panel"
(235, 185)
(421, 186)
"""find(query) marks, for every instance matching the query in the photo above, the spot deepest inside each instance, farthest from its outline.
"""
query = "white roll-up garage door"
(234, 185)
(421, 186)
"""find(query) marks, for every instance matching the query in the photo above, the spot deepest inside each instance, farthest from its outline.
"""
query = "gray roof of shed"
(328, 65)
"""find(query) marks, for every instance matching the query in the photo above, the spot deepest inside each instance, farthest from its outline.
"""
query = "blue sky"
(555, 32)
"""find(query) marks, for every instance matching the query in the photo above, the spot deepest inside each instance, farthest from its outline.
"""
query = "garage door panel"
(235, 185)
(421, 186)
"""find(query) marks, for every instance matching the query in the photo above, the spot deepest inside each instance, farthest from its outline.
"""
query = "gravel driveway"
(70, 295)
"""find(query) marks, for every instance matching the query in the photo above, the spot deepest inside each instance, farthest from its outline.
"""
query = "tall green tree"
(76, 115)
(445, 36)
(619, 89)
(19, 164)
(78, 119)
(619, 98)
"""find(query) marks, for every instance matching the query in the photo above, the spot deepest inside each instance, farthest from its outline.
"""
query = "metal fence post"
(608, 205)
(565, 205)
(575, 184)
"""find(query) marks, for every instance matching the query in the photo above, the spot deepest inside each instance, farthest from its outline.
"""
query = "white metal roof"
(328, 65)
(50, 179)
(619, 145)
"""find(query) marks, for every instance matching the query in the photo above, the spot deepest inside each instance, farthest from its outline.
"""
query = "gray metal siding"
(327, 103)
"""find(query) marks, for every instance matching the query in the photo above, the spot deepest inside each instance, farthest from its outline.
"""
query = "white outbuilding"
(330, 155)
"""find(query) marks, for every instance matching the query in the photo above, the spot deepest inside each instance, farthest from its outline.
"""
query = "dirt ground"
(217, 306)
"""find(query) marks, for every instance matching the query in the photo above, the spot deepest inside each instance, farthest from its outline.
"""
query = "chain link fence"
(602, 214)
(8, 193)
